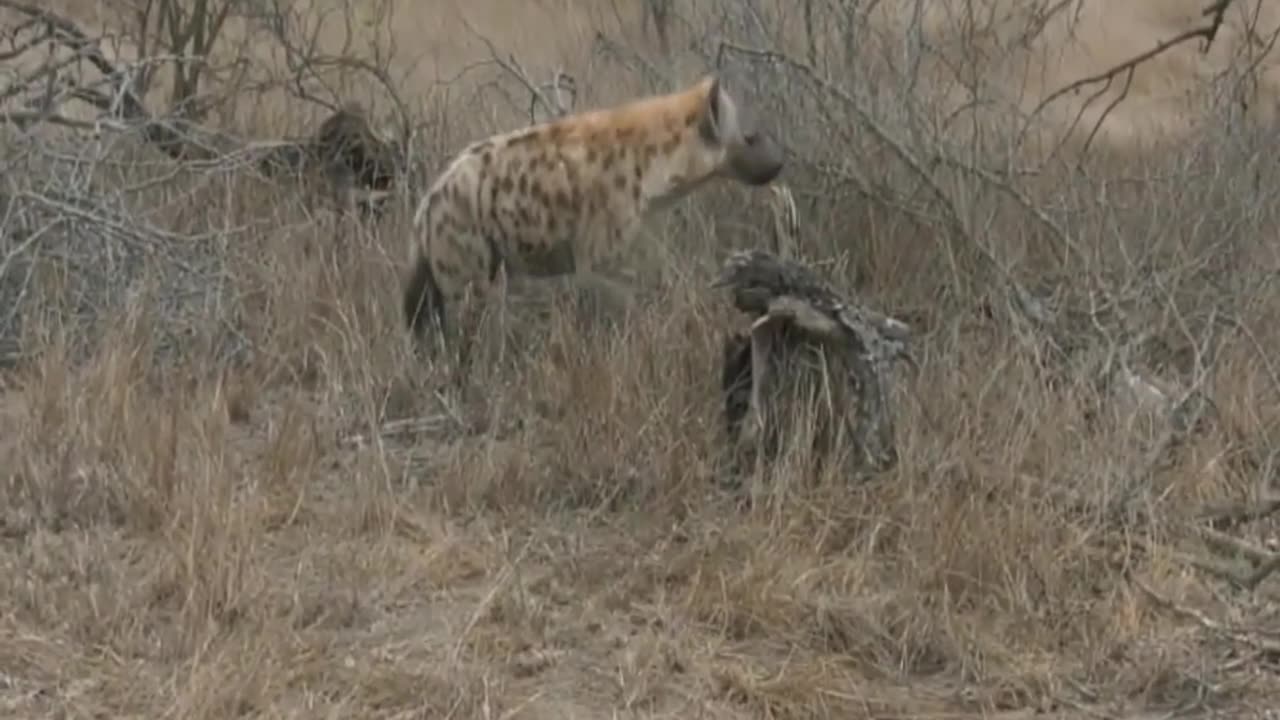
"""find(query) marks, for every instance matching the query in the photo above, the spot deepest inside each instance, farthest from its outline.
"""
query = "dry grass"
(303, 526)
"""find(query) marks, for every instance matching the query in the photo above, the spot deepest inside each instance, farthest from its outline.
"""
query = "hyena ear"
(713, 117)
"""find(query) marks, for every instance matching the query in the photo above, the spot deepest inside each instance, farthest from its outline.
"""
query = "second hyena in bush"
(343, 159)
(553, 199)
(353, 155)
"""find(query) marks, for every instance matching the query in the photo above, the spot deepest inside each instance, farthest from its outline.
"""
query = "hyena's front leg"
(479, 324)
(463, 328)
(493, 321)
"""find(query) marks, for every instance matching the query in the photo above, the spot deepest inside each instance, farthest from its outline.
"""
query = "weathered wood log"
(809, 355)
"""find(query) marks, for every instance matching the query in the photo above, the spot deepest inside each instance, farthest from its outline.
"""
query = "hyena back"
(554, 198)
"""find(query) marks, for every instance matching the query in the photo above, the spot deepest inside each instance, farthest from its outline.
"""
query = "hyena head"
(730, 140)
(359, 164)
(347, 142)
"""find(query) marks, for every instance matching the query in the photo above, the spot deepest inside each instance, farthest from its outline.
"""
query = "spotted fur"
(559, 197)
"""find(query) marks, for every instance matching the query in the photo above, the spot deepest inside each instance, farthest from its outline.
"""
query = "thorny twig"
(1249, 638)
(561, 82)
(305, 60)
(1208, 33)
(954, 217)
(122, 102)
(1223, 517)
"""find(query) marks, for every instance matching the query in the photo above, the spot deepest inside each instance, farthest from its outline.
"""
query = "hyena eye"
(751, 138)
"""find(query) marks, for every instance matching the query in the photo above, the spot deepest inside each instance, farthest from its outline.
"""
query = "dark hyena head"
(742, 148)
(348, 146)
(359, 164)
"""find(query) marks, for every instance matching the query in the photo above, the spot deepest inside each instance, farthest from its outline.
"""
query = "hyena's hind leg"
(463, 327)
(423, 303)
(482, 319)
(425, 309)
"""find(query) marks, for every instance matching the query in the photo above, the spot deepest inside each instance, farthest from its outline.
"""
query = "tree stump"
(808, 356)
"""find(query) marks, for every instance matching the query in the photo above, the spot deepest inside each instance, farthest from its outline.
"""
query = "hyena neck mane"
(652, 149)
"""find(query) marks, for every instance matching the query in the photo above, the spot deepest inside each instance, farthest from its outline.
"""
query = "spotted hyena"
(555, 198)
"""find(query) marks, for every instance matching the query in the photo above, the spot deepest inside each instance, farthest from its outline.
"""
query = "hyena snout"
(757, 159)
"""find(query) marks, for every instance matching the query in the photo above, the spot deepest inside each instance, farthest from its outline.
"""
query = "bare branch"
(171, 136)
(1215, 12)
(554, 106)
(1244, 636)
(1226, 516)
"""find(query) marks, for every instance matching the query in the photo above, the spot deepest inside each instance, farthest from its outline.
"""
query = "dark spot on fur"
(461, 202)
(495, 257)
(447, 223)
(545, 260)
(448, 269)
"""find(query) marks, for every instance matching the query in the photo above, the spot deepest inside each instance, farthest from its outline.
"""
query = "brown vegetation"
(230, 489)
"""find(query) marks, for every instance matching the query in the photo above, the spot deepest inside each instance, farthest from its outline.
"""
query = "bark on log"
(808, 356)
